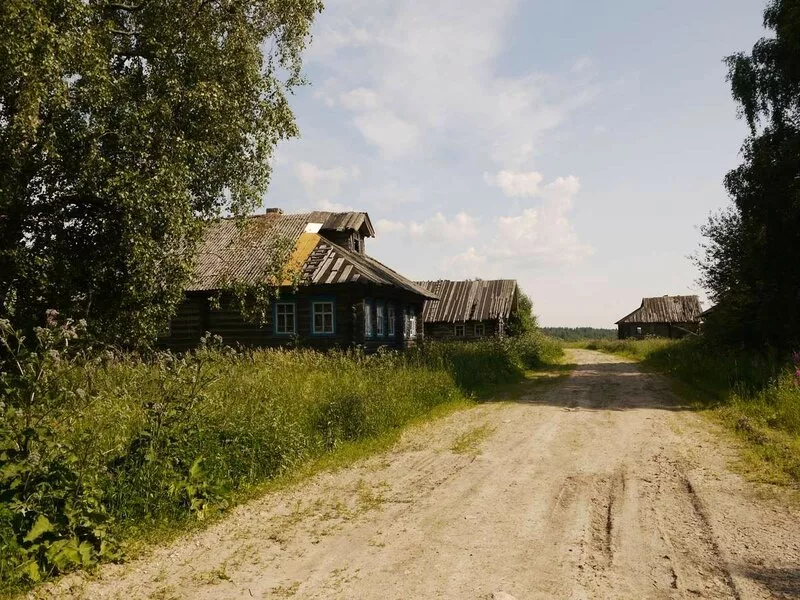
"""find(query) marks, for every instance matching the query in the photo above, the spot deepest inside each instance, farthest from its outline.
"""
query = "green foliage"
(477, 365)
(118, 129)
(745, 262)
(97, 446)
(577, 334)
(523, 320)
(52, 515)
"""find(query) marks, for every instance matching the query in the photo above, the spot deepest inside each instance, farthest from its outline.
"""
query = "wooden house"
(333, 293)
(469, 309)
(662, 316)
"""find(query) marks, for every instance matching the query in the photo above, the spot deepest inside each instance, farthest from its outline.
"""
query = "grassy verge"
(756, 397)
(103, 449)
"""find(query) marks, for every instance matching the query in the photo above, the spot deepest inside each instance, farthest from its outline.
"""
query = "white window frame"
(390, 313)
(323, 313)
(285, 305)
(369, 326)
(380, 324)
(460, 327)
(480, 330)
(412, 323)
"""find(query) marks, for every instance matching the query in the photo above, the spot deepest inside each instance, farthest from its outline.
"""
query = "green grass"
(756, 397)
(131, 449)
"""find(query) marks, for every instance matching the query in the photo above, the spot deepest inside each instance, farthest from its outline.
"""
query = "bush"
(96, 445)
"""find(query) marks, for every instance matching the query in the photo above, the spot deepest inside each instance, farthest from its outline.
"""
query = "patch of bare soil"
(599, 486)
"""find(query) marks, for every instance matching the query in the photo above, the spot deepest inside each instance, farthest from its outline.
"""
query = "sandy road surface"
(599, 486)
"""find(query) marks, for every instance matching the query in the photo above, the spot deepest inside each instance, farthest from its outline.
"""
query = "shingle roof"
(666, 309)
(330, 263)
(233, 253)
(469, 300)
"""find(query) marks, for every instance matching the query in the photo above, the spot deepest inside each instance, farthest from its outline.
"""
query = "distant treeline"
(574, 334)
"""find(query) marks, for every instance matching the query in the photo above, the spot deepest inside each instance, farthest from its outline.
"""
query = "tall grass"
(99, 446)
(758, 396)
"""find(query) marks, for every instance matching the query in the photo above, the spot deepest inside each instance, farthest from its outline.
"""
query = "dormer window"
(356, 243)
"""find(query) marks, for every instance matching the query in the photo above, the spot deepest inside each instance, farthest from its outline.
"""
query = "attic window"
(357, 243)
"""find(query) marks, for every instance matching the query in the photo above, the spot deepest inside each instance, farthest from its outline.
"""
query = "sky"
(575, 146)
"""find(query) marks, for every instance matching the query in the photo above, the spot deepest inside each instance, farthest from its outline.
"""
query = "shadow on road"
(605, 386)
(782, 583)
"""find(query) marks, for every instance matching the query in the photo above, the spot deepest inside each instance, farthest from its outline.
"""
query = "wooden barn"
(662, 316)
(469, 309)
(337, 295)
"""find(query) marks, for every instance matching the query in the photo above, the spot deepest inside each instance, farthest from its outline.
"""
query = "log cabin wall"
(195, 316)
(447, 331)
(663, 330)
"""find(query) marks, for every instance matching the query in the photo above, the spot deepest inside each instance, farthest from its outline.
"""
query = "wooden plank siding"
(446, 331)
(665, 330)
(195, 317)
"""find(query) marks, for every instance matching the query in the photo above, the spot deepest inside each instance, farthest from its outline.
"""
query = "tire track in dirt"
(599, 486)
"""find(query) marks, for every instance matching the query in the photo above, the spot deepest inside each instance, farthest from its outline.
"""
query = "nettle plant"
(52, 517)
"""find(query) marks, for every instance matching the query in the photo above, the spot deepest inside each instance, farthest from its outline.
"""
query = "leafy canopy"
(749, 262)
(122, 126)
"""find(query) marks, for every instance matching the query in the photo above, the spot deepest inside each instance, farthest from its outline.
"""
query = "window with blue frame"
(369, 330)
(323, 320)
(380, 325)
(285, 318)
(391, 316)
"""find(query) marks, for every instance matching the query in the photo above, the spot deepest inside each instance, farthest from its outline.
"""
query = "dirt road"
(597, 486)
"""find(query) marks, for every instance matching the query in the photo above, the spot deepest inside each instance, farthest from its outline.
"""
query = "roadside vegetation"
(756, 395)
(579, 334)
(99, 446)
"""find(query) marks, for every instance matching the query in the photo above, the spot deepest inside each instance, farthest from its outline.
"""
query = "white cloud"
(533, 237)
(468, 264)
(543, 234)
(391, 134)
(423, 73)
(318, 181)
(387, 226)
(359, 99)
(439, 228)
(326, 204)
(516, 184)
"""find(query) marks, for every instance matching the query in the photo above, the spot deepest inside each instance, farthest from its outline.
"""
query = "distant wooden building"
(662, 316)
(343, 297)
(468, 309)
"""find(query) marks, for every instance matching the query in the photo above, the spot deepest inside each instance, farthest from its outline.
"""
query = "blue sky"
(575, 146)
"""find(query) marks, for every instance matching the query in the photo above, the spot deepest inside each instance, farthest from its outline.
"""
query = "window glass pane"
(368, 318)
(379, 319)
(284, 318)
(323, 317)
(391, 320)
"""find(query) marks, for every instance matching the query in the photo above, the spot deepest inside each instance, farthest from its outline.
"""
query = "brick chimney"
(273, 211)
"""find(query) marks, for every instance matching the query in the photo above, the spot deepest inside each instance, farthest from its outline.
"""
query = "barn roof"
(234, 252)
(666, 309)
(476, 300)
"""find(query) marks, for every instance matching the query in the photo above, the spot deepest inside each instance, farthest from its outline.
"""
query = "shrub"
(98, 445)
